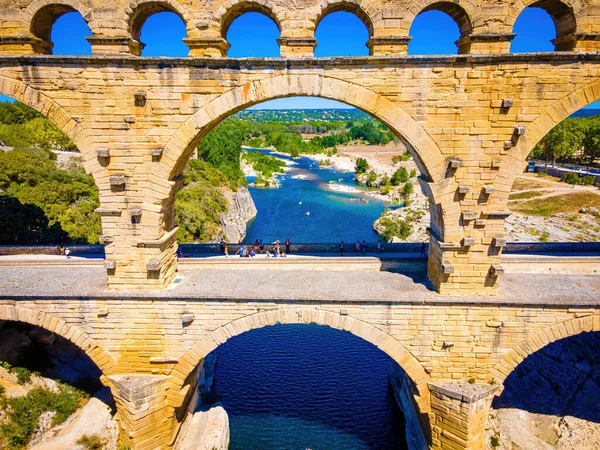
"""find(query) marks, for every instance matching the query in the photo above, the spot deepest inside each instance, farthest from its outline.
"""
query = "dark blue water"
(298, 387)
(333, 215)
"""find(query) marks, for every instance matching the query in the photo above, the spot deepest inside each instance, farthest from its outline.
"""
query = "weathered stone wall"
(136, 121)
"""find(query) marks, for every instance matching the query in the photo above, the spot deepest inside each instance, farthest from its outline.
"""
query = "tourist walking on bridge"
(357, 247)
(288, 243)
(342, 248)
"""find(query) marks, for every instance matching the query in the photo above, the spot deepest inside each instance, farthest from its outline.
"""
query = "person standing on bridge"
(288, 244)
(363, 247)
(261, 246)
(341, 248)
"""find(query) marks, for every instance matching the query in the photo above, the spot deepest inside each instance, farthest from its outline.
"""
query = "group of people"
(361, 247)
(64, 251)
(245, 251)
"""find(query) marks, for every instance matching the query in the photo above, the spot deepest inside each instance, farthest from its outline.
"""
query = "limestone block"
(463, 189)
(499, 242)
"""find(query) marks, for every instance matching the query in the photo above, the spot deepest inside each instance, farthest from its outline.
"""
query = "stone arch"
(59, 326)
(548, 119)
(423, 148)
(539, 340)
(461, 12)
(362, 10)
(234, 10)
(42, 14)
(138, 11)
(388, 344)
(57, 115)
(562, 13)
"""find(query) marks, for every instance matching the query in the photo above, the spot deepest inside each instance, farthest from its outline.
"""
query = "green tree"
(400, 176)
(361, 166)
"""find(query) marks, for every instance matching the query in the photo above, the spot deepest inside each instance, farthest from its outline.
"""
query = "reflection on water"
(333, 216)
(307, 386)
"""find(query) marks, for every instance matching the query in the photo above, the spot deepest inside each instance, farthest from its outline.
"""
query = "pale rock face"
(94, 419)
(206, 430)
(240, 211)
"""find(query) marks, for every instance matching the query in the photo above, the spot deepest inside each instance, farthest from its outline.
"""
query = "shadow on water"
(307, 386)
(562, 378)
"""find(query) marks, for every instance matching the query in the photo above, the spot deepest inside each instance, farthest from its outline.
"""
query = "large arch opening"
(47, 196)
(544, 26)
(554, 197)
(309, 329)
(559, 409)
(62, 30)
(159, 28)
(46, 379)
(313, 176)
(343, 32)
(438, 28)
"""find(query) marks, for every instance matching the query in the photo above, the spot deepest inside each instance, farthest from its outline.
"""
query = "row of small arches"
(255, 34)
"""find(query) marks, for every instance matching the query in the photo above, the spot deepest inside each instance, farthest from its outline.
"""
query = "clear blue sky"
(338, 34)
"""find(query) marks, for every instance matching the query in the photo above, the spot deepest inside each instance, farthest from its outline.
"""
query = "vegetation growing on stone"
(23, 412)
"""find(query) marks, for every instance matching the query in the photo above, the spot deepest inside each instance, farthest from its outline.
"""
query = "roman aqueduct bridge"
(470, 120)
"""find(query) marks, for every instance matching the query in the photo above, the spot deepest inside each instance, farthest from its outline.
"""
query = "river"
(298, 387)
(333, 216)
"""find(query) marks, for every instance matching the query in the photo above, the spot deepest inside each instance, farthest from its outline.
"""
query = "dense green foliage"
(572, 140)
(265, 164)
(23, 412)
(200, 203)
(22, 127)
(395, 228)
(573, 178)
(42, 204)
(222, 148)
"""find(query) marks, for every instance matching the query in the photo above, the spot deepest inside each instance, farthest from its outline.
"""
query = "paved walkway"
(296, 285)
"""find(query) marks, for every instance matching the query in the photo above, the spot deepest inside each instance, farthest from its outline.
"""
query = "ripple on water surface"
(307, 386)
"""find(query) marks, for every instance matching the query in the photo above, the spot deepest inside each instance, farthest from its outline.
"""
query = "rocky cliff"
(240, 211)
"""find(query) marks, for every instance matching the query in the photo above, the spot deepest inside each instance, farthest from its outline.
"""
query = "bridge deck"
(21, 282)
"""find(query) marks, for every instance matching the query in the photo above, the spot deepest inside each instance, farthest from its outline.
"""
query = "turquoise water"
(298, 387)
(334, 216)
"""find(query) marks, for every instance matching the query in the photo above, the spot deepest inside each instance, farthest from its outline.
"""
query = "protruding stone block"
(454, 164)
(103, 152)
(463, 189)
(507, 103)
(496, 270)
(136, 212)
(468, 242)
(154, 265)
(157, 154)
(502, 214)
(187, 319)
(488, 189)
(110, 264)
(140, 95)
(129, 119)
(102, 312)
(117, 181)
(496, 164)
(470, 215)
(447, 344)
(499, 242)
(508, 145)
(447, 269)
(520, 130)
(479, 223)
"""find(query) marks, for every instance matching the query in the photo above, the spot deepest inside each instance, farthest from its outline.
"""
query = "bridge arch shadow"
(59, 326)
(182, 373)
